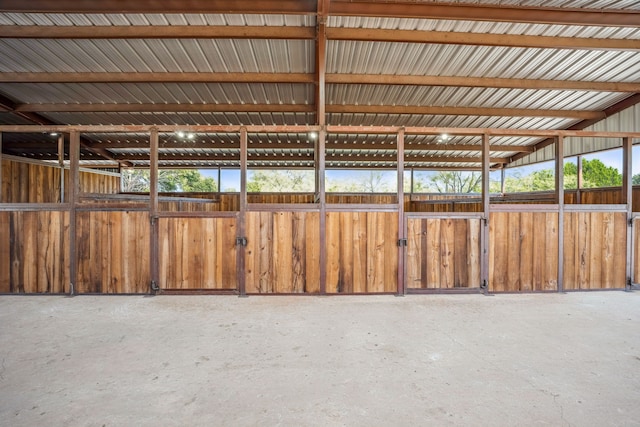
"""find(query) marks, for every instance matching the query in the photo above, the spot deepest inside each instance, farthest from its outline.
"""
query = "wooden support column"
(322, 199)
(580, 181)
(402, 235)
(1, 188)
(502, 176)
(321, 59)
(61, 164)
(484, 266)
(153, 211)
(559, 175)
(627, 198)
(240, 251)
(74, 190)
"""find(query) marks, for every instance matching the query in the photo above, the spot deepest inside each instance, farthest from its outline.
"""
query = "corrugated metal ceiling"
(298, 56)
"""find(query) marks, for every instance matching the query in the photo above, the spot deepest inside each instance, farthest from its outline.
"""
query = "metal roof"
(384, 66)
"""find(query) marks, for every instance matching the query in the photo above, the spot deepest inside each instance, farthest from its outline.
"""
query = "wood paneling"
(29, 183)
(283, 252)
(443, 253)
(113, 252)
(362, 252)
(594, 250)
(278, 198)
(367, 199)
(34, 252)
(198, 253)
(523, 251)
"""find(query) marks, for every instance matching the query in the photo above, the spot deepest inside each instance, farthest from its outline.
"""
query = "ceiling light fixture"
(313, 136)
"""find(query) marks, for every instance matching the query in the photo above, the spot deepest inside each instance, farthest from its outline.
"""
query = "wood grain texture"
(362, 252)
(198, 253)
(113, 252)
(594, 250)
(443, 253)
(34, 252)
(523, 248)
(283, 252)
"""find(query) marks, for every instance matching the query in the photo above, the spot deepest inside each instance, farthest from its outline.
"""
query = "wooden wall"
(29, 183)
(113, 252)
(594, 250)
(443, 253)
(283, 252)
(523, 251)
(198, 253)
(34, 252)
(362, 252)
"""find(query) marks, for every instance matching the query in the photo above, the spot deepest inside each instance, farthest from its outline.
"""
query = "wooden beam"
(155, 32)
(486, 211)
(305, 108)
(286, 145)
(477, 39)
(482, 12)
(309, 78)
(453, 81)
(147, 77)
(166, 108)
(462, 111)
(295, 7)
(284, 156)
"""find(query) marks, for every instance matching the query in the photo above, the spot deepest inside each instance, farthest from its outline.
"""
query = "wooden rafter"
(485, 12)
(306, 33)
(309, 78)
(304, 108)
(153, 6)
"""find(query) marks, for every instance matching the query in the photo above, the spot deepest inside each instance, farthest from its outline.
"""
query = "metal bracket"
(402, 242)
(483, 285)
(241, 241)
(153, 220)
(154, 286)
(486, 221)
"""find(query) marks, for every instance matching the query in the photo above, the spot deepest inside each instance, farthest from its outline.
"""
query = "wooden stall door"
(283, 252)
(595, 250)
(34, 252)
(113, 252)
(362, 252)
(523, 251)
(198, 253)
(443, 253)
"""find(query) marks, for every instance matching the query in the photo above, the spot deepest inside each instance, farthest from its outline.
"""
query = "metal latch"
(241, 241)
(402, 242)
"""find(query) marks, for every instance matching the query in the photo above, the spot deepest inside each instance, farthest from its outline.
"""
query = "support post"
(484, 237)
(560, 201)
(240, 252)
(502, 174)
(1, 187)
(627, 198)
(74, 190)
(401, 231)
(580, 183)
(322, 198)
(61, 165)
(153, 211)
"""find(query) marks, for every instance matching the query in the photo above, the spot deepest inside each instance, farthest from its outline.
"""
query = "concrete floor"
(509, 360)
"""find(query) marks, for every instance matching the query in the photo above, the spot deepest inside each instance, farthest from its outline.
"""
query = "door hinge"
(402, 242)
(241, 241)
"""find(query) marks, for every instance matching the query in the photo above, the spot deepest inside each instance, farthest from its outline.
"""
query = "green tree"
(282, 180)
(635, 180)
(187, 180)
(597, 174)
(456, 182)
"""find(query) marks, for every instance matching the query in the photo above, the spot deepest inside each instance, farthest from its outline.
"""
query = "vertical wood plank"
(461, 254)
(526, 249)
(474, 252)
(433, 255)
(346, 276)
(447, 242)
